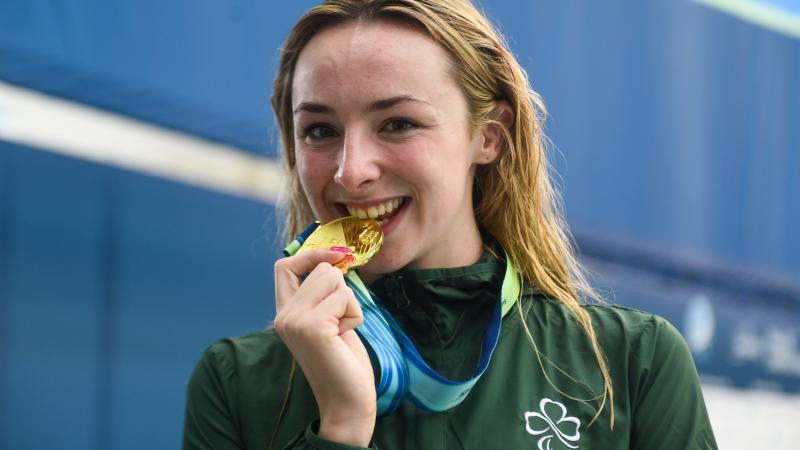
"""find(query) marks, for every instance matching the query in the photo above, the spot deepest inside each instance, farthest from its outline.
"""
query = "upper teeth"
(373, 212)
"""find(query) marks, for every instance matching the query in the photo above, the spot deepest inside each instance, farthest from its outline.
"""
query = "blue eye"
(319, 132)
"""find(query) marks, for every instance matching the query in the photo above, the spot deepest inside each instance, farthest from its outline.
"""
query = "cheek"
(315, 169)
(413, 161)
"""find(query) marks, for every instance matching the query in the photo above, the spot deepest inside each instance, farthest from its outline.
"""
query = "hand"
(316, 320)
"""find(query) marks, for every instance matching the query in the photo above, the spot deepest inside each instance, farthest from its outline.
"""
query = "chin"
(382, 264)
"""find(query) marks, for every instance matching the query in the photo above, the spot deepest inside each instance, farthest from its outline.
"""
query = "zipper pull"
(395, 289)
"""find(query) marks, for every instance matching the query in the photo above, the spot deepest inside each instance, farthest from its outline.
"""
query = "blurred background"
(138, 180)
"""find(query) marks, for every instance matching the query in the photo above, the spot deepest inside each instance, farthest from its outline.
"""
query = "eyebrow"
(312, 108)
(387, 103)
(378, 105)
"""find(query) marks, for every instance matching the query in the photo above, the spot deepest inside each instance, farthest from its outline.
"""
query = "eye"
(399, 126)
(317, 132)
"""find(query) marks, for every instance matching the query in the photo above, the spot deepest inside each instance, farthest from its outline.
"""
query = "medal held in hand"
(361, 238)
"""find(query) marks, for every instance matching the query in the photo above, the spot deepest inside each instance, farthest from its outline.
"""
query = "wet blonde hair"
(514, 198)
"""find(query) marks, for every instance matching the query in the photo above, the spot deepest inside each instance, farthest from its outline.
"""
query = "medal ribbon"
(403, 371)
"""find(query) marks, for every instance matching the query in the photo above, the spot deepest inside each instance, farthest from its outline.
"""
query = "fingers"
(325, 280)
(336, 313)
(289, 270)
(341, 304)
(303, 262)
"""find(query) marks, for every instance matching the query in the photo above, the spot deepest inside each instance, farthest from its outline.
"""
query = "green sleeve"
(668, 406)
(211, 420)
(310, 440)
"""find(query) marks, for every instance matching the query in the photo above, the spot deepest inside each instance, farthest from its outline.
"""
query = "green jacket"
(523, 401)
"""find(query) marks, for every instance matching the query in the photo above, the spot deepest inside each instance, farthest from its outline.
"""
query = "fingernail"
(341, 249)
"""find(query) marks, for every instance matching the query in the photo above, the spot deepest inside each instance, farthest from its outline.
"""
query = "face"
(382, 130)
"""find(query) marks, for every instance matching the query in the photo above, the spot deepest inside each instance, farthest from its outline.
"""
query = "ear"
(492, 136)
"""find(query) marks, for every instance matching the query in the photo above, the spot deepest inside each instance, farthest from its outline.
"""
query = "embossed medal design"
(363, 237)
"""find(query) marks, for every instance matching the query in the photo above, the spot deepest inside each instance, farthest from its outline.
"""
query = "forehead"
(370, 59)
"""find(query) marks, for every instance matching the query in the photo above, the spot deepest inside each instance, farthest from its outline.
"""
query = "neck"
(453, 253)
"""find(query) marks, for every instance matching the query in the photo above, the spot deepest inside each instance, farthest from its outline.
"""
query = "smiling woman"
(415, 113)
(380, 120)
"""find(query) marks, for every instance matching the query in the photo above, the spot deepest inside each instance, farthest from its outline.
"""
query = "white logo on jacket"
(552, 421)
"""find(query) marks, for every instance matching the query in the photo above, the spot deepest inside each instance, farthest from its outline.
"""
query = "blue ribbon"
(403, 371)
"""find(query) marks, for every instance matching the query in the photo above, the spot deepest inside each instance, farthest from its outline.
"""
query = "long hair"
(513, 197)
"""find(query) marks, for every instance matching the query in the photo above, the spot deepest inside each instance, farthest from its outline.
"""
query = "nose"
(358, 163)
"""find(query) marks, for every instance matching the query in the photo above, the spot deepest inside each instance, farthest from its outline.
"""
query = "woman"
(415, 113)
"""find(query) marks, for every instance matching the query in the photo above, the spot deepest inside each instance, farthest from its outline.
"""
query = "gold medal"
(362, 237)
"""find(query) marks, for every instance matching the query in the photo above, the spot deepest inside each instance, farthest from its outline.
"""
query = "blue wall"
(674, 126)
(112, 285)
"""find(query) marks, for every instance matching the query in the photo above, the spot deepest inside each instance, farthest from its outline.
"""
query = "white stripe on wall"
(53, 124)
(761, 12)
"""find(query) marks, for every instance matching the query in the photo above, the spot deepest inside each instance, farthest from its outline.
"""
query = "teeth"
(373, 212)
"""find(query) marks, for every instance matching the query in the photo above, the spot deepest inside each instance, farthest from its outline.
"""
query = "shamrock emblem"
(552, 421)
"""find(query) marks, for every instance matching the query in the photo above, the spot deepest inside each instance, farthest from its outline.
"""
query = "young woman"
(414, 112)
